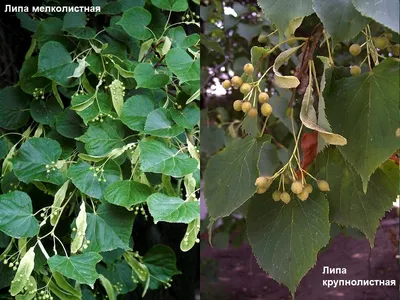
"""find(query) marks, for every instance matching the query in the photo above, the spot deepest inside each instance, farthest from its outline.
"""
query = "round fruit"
(276, 196)
(285, 197)
(381, 42)
(261, 190)
(303, 195)
(248, 69)
(246, 106)
(245, 88)
(323, 185)
(355, 70)
(263, 97)
(226, 84)
(308, 187)
(253, 112)
(236, 81)
(297, 187)
(262, 182)
(237, 105)
(396, 50)
(355, 49)
(266, 109)
(263, 39)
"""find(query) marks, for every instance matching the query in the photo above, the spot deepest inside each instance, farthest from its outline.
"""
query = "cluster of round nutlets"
(302, 191)
(246, 105)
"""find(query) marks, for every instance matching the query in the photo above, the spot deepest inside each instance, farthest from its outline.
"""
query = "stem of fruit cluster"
(264, 126)
(261, 78)
(329, 48)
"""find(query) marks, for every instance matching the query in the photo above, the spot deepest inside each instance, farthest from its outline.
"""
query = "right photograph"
(300, 147)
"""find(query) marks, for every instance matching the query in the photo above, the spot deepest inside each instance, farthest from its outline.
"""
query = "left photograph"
(99, 150)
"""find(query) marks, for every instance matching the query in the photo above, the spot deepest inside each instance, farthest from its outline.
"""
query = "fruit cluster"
(248, 105)
(301, 190)
(382, 42)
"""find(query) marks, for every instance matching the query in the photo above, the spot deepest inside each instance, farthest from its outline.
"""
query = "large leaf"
(182, 65)
(172, 209)
(119, 274)
(81, 267)
(286, 238)
(33, 157)
(160, 260)
(75, 24)
(135, 111)
(16, 218)
(56, 64)
(282, 12)
(146, 77)
(102, 137)
(157, 157)
(135, 21)
(14, 112)
(364, 109)
(187, 117)
(160, 123)
(83, 177)
(385, 12)
(348, 204)
(103, 106)
(174, 5)
(230, 176)
(127, 193)
(45, 112)
(109, 228)
(27, 82)
(69, 124)
(341, 20)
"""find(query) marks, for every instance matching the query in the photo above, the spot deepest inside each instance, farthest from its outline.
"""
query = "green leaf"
(45, 112)
(135, 21)
(82, 176)
(157, 157)
(81, 267)
(109, 228)
(27, 22)
(27, 82)
(146, 78)
(49, 29)
(55, 63)
(103, 107)
(183, 65)
(180, 40)
(286, 238)
(119, 274)
(188, 117)
(160, 260)
(127, 193)
(172, 209)
(16, 218)
(102, 137)
(107, 287)
(135, 111)
(349, 206)
(159, 123)
(281, 13)
(364, 109)
(74, 24)
(69, 290)
(385, 12)
(230, 176)
(14, 112)
(3, 148)
(33, 157)
(269, 160)
(341, 20)
(173, 5)
(69, 124)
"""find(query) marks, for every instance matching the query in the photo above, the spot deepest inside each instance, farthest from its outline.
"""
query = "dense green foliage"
(316, 152)
(101, 131)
